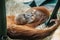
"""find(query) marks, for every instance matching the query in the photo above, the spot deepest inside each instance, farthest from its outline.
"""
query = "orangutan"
(23, 26)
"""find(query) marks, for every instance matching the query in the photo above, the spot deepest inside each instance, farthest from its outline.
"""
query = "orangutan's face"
(29, 17)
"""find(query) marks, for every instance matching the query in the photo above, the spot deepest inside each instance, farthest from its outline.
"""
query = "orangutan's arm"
(23, 31)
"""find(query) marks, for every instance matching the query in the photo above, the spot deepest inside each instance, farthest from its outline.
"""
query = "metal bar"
(3, 30)
(45, 2)
(53, 15)
(33, 4)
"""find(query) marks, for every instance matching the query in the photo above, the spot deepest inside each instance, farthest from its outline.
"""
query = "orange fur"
(28, 30)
